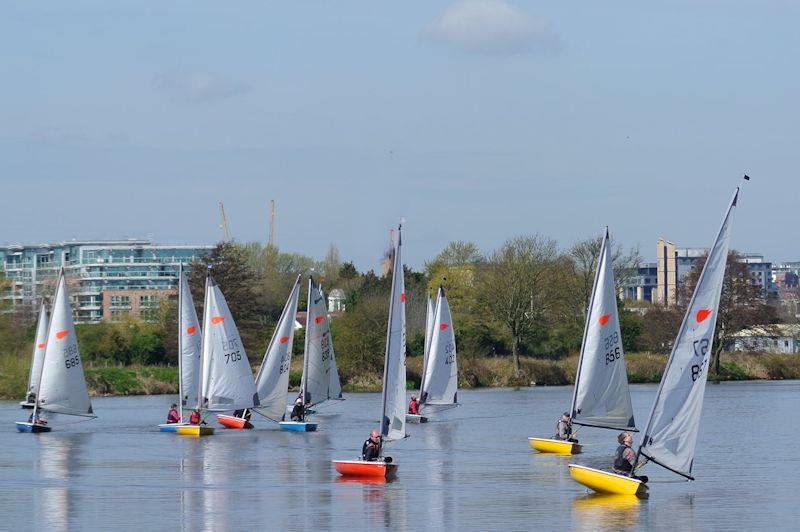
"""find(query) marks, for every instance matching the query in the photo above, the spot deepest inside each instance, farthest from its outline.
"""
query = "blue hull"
(31, 427)
(294, 426)
(170, 427)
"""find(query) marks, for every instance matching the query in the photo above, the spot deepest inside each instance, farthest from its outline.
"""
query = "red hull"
(232, 422)
(364, 469)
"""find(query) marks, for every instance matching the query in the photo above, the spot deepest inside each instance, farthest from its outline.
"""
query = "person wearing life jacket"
(173, 416)
(298, 410)
(625, 457)
(413, 405)
(35, 419)
(371, 450)
(194, 419)
(564, 429)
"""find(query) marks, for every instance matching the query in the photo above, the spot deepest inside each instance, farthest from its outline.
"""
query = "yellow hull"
(544, 445)
(606, 482)
(195, 430)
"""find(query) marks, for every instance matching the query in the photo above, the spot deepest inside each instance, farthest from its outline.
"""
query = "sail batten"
(440, 384)
(602, 398)
(272, 382)
(670, 438)
(393, 414)
(62, 386)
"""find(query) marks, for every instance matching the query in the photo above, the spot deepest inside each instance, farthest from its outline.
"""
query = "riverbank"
(473, 373)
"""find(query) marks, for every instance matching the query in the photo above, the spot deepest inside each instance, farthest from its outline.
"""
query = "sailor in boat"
(173, 416)
(564, 429)
(413, 405)
(243, 414)
(31, 397)
(371, 450)
(298, 411)
(625, 457)
(35, 419)
(194, 419)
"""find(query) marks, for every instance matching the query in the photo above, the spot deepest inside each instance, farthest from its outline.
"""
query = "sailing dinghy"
(320, 381)
(62, 385)
(601, 397)
(37, 358)
(225, 378)
(272, 381)
(439, 387)
(670, 438)
(393, 419)
(429, 316)
(189, 345)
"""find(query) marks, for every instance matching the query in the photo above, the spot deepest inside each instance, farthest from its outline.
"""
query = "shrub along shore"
(474, 372)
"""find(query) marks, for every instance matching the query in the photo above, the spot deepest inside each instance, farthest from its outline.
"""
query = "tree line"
(527, 298)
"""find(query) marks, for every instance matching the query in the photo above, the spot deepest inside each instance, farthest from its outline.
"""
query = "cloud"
(196, 86)
(491, 27)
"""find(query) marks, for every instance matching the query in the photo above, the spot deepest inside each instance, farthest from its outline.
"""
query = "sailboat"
(37, 358)
(272, 381)
(670, 438)
(439, 387)
(393, 419)
(225, 378)
(601, 397)
(62, 385)
(320, 380)
(189, 346)
(429, 316)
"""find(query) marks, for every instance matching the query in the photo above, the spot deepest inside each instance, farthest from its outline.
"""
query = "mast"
(304, 383)
(44, 356)
(587, 325)
(206, 330)
(430, 318)
(676, 349)
(389, 328)
(180, 339)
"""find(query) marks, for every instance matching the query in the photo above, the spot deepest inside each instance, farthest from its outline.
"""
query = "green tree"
(517, 287)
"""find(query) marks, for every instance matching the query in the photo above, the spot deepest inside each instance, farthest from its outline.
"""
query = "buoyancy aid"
(620, 463)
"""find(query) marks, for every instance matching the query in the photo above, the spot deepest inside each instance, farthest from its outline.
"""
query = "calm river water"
(473, 471)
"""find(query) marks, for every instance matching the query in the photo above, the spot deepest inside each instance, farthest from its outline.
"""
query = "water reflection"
(439, 474)
(605, 512)
(58, 464)
(676, 512)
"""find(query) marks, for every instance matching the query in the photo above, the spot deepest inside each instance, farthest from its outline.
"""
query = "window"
(121, 301)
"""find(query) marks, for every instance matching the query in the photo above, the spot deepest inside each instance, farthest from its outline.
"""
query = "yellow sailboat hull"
(545, 445)
(195, 430)
(606, 482)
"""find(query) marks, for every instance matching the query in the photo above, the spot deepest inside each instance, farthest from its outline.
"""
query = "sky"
(474, 120)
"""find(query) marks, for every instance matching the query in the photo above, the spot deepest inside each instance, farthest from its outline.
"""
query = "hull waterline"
(547, 445)
(606, 482)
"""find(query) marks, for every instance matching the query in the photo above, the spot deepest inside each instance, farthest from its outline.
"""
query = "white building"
(336, 301)
(782, 338)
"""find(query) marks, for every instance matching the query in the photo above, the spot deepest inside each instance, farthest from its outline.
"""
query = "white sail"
(429, 316)
(441, 376)
(317, 367)
(189, 344)
(671, 434)
(393, 412)
(228, 383)
(335, 390)
(272, 382)
(62, 388)
(601, 397)
(39, 344)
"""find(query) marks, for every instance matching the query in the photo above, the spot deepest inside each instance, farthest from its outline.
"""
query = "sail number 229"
(611, 344)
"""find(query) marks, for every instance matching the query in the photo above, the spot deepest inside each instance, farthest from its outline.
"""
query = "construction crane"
(224, 224)
(271, 240)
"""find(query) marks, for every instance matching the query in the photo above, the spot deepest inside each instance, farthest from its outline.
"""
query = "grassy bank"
(473, 373)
